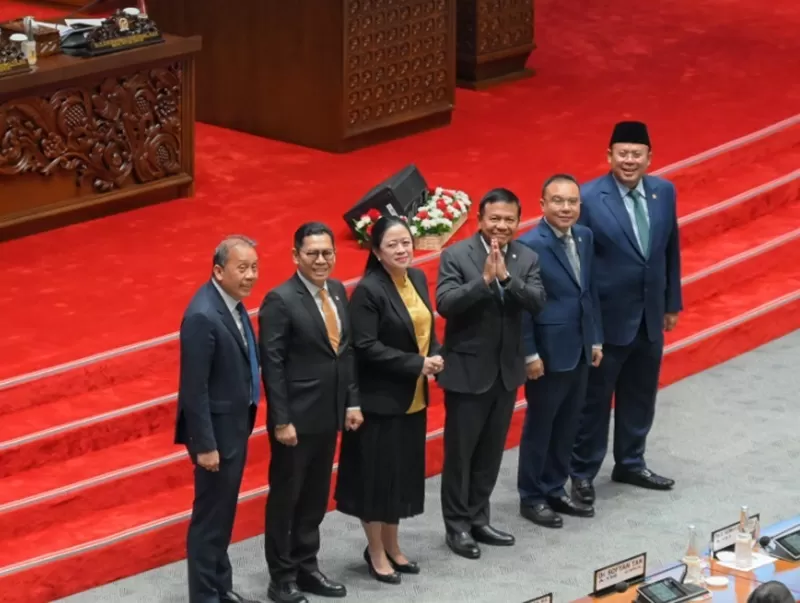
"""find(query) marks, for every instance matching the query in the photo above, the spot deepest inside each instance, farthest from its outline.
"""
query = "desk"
(336, 75)
(737, 591)
(88, 137)
(782, 571)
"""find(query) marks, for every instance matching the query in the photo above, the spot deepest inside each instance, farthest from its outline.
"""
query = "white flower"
(435, 212)
(414, 231)
(426, 223)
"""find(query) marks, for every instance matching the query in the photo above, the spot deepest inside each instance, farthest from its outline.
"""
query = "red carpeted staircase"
(91, 488)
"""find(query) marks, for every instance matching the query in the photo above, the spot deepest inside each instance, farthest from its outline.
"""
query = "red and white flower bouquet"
(441, 215)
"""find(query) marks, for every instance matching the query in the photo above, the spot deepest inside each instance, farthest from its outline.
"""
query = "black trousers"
(299, 487)
(552, 419)
(629, 373)
(213, 512)
(475, 430)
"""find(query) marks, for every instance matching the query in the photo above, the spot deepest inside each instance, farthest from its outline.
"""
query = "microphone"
(621, 587)
(764, 541)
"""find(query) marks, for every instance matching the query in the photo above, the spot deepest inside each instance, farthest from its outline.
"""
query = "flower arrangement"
(442, 214)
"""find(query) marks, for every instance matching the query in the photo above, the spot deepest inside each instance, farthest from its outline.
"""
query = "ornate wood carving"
(126, 130)
(396, 59)
(487, 26)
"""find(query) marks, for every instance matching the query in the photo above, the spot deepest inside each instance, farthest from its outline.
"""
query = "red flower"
(449, 214)
(441, 204)
(369, 229)
(423, 214)
(374, 214)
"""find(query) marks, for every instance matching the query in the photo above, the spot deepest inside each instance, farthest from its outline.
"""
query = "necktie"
(572, 255)
(255, 380)
(331, 325)
(640, 215)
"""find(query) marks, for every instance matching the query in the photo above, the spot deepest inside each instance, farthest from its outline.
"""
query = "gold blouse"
(422, 320)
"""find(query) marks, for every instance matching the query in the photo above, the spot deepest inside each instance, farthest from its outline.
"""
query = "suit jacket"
(632, 287)
(307, 383)
(570, 324)
(388, 358)
(214, 409)
(483, 333)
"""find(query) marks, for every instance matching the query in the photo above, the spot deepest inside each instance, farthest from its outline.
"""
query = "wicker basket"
(436, 242)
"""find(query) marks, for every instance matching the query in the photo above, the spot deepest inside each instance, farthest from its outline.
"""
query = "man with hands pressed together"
(217, 398)
(309, 377)
(633, 217)
(486, 283)
(561, 343)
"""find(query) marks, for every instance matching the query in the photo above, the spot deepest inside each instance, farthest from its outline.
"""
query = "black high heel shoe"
(404, 568)
(393, 578)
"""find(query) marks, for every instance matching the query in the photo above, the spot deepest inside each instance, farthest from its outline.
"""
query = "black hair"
(771, 592)
(559, 178)
(499, 195)
(310, 229)
(379, 229)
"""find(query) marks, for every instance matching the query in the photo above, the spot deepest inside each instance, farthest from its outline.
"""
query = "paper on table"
(759, 560)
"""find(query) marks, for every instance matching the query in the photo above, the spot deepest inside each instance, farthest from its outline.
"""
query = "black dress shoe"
(567, 506)
(283, 592)
(393, 578)
(583, 491)
(404, 568)
(643, 478)
(232, 597)
(318, 583)
(492, 536)
(541, 515)
(461, 543)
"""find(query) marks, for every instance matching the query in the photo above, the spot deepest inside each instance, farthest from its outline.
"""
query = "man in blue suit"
(560, 345)
(217, 399)
(634, 221)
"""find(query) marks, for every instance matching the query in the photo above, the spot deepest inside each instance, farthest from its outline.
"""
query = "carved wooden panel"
(125, 130)
(397, 59)
(487, 26)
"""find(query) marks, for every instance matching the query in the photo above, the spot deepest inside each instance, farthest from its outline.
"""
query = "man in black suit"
(217, 398)
(309, 377)
(486, 284)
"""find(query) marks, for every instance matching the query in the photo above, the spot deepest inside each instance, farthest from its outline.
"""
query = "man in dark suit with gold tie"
(217, 397)
(309, 377)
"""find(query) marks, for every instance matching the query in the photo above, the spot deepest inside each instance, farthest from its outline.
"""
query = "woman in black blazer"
(381, 476)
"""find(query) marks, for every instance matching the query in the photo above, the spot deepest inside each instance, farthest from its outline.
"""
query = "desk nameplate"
(630, 571)
(725, 538)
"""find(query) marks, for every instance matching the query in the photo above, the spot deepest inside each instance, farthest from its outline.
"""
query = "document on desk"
(729, 561)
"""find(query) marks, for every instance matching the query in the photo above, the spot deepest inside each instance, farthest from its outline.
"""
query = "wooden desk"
(737, 591)
(335, 75)
(88, 137)
(494, 41)
(782, 571)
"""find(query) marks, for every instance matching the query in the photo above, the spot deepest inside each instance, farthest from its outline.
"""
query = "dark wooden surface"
(89, 137)
(334, 74)
(494, 41)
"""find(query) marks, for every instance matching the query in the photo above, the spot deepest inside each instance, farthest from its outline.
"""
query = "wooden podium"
(335, 75)
(494, 41)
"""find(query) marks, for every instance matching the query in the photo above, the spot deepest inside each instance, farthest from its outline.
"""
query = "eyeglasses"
(326, 254)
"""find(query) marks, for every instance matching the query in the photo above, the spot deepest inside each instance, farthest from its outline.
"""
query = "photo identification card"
(630, 571)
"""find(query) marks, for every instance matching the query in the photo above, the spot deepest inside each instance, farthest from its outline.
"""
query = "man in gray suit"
(486, 284)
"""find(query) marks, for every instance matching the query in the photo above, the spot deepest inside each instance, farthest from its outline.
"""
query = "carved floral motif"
(396, 58)
(125, 130)
(486, 26)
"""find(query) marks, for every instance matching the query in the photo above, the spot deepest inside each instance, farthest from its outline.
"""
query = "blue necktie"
(255, 378)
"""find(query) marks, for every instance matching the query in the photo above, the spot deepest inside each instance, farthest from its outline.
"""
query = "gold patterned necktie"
(331, 325)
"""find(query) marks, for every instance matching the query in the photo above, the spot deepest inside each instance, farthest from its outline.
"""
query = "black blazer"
(307, 383)
(214, 410)
(483, 332)
(387, 355)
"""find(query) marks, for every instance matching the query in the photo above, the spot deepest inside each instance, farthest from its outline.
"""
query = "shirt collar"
(230, 302)
(312, 288)
(556, 231)
(624, 190)
(488, 248)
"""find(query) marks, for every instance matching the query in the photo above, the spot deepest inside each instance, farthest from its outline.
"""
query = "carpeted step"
(764, 307)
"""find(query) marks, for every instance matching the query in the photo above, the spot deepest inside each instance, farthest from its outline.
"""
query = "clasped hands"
(432, 365)
(495, 266)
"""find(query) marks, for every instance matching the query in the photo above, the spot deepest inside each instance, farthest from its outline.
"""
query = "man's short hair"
(223, 250)
(559, 178)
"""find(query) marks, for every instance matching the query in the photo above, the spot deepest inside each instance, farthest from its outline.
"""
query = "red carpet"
(91, 489)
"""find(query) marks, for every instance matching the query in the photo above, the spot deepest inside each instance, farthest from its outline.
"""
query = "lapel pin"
(580, 240)
(336, 297)
(513, 256)
(654, 195)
